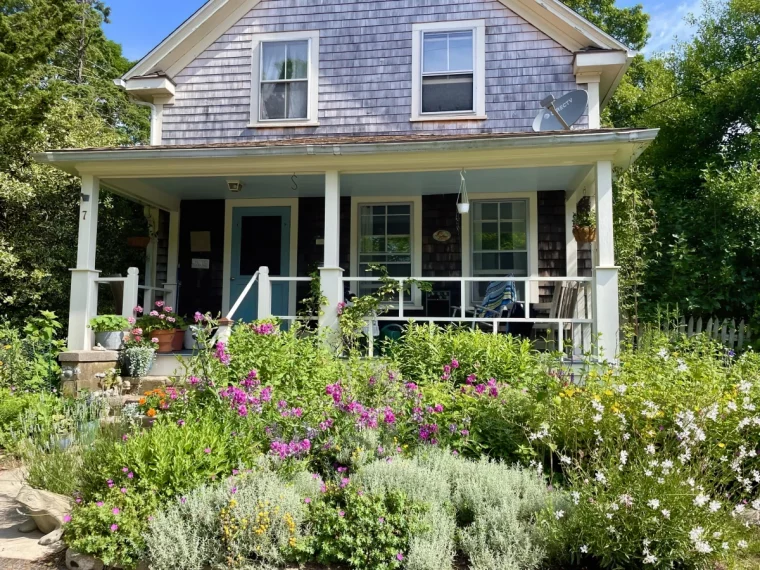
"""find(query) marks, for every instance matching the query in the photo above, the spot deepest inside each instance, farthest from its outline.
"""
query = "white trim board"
(532, 198)
(416, 201)
(259, 203)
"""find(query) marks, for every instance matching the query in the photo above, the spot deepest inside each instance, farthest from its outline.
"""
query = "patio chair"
(498, 302)
(563, 306)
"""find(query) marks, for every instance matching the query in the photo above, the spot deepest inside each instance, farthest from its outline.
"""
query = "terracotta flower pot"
(584, 234)
(138, 241)
(178, 340)
(165, 340)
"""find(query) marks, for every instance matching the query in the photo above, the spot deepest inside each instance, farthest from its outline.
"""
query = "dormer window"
(448, 69)
(284, 90)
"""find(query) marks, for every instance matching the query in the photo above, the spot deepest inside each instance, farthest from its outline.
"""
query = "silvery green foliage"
(266, 512)
(185, 535)
(140, 360)
(497, 502)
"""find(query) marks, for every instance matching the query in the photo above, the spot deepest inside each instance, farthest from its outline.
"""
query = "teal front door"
(260, 238)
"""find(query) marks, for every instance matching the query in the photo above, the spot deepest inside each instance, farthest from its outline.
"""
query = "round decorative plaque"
(442, 235)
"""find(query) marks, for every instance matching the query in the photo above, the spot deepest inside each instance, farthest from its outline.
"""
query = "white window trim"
(532, 229)
(312, 119)
(479, 70)
(416, 202)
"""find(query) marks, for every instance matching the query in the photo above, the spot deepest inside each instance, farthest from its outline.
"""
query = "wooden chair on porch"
(564, 305)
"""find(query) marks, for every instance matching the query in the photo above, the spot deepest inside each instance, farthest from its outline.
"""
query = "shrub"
(28, 358)
(255, 517)
(108, 323)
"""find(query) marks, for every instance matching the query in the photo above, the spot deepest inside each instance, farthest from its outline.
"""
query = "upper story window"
(284, 90)
(448, 71)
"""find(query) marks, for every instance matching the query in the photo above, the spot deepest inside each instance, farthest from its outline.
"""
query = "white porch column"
(151, 256)
(172, 260)
(83, 304)
(331, 274)
(606, 303)
(592, 79)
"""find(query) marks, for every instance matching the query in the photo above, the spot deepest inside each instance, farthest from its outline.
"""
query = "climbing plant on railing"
(356, 314)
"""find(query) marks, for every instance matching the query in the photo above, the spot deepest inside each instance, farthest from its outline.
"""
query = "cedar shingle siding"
(552, 257)
(365, 83)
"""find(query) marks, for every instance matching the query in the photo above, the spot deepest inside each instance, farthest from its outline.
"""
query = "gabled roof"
(214, 18)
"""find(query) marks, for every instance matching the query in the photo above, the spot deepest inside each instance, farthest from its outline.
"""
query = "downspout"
(156, 115)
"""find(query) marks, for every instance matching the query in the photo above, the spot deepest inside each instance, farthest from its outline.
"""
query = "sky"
(139, 34)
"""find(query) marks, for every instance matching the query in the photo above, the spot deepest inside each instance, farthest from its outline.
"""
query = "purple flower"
(454, 363)
(110, 484)
(115, 510)
(124, 469)
(123, 490)
(198, 317)
(183, 500)
(99, 503)
(480, 388)
(399, 557)
(344, 482)
(124, 437)
(180, 423)
(307, 500)
(389, 417)
(221, 354)
(381, 520)
(114, 527)
(66, 518)
(130, 475)
(207, 450)
(438, 408)
(341, 513)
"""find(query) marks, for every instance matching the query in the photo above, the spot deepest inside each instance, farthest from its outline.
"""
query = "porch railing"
(131, 292)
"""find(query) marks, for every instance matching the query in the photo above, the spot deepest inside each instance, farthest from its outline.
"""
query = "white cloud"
(667, 24)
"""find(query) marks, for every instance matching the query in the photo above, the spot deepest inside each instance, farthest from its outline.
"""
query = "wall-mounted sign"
(201, 263)
(200, 242)
(442, 235)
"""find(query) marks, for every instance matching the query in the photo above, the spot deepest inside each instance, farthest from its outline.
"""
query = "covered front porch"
(248, 226)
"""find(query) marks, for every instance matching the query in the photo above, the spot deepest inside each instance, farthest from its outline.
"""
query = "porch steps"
(167, 365)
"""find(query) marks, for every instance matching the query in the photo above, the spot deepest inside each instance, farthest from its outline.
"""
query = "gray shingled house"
(294, 135)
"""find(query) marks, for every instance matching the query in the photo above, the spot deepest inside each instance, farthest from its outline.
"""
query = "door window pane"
(260, 244)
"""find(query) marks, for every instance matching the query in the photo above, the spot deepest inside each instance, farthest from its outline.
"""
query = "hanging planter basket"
(138, 241)
(463, 200)
(584, 234)
(463, 208)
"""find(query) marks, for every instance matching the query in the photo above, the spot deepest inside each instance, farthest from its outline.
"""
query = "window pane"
(273, 101)
(298, 60)
(378, 225)
(460, 51)
(298, 94)
(486, 210)
(399, 244)
(273, 61)
(399, 210)
(447, 93)
(399, 225)
(485, 263)
(489, 239)
(514, 263)
(435, 52)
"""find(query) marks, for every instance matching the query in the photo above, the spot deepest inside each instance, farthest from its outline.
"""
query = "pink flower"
(123, 490)
(99, 503)
(183, 500)
(198, 317)
(399, 557)
(207, 450)
(180, 423)
(138, 309)
(153, 313)
(454, 363)
(159, 304)
(161, 317)
(124, 437)
(66, 518)
(341, 513)
(137, 331)
(131, 320)
(78, 500)
(154, 340)
(110, 484)
(171, 319)
(116, 510)
(168, 309)
(124, 469)
(130, 475)
(114, 527)
(307, 500)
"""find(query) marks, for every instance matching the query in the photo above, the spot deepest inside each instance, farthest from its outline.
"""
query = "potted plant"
(160, 324)
(139, 242)
(584, 226)
(109, 331)
(139, 353)
(180, 326)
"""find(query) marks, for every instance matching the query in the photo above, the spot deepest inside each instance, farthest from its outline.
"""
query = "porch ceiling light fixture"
(463, 200)
(234, 185)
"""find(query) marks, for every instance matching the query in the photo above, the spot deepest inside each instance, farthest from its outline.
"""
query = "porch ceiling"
(376, 184)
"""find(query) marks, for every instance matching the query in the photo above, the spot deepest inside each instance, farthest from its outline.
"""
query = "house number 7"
(84, 214)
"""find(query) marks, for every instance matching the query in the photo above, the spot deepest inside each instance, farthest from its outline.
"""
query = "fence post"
(265, 294)
(131, 291)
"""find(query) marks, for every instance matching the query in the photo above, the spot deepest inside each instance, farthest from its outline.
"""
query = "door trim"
(229, 205)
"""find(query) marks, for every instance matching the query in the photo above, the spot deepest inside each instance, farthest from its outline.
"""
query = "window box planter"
(140, 242)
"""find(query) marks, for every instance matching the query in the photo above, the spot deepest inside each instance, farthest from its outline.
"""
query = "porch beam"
(84, 294)
(331, 274)
(605, 289)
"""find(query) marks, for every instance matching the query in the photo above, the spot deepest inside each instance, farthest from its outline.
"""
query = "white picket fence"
(727, 332)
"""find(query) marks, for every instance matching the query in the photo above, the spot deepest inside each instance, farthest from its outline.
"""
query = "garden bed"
(457, 449)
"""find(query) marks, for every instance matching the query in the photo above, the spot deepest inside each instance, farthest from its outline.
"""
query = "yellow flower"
(609, 393)
(721, 445)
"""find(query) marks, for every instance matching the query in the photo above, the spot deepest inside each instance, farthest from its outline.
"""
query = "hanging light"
(463, 201)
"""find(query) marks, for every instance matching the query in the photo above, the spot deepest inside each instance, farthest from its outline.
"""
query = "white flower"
(756, 504)
(559, 514)
(648, 472)
(724, 546)
(650, 559)
(576, 497)
(681, 366)
(626, 500)
(663, 353)
(701, 500)
(745, 387)
(714, 506)
(623, 457)
(584, 549)
(702, 547)
(742, 544)
(739, 509)
(626, 436)
(601, 477)
(565, 459)
(653, 503)
(696, 533)
(660, 481)
(597, 418)
(665, 513)
(650, 449)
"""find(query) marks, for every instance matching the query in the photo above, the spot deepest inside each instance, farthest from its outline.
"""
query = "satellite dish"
(560, 114)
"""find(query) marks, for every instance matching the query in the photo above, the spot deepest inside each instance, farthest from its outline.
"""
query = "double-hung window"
(285, 73)
(448, 71)
(499, 242)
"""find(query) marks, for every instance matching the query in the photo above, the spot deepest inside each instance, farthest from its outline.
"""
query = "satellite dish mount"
(560, 114)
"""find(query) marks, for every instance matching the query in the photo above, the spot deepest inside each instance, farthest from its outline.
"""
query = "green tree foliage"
(701, 174)
(56, 91)
(628, 25)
